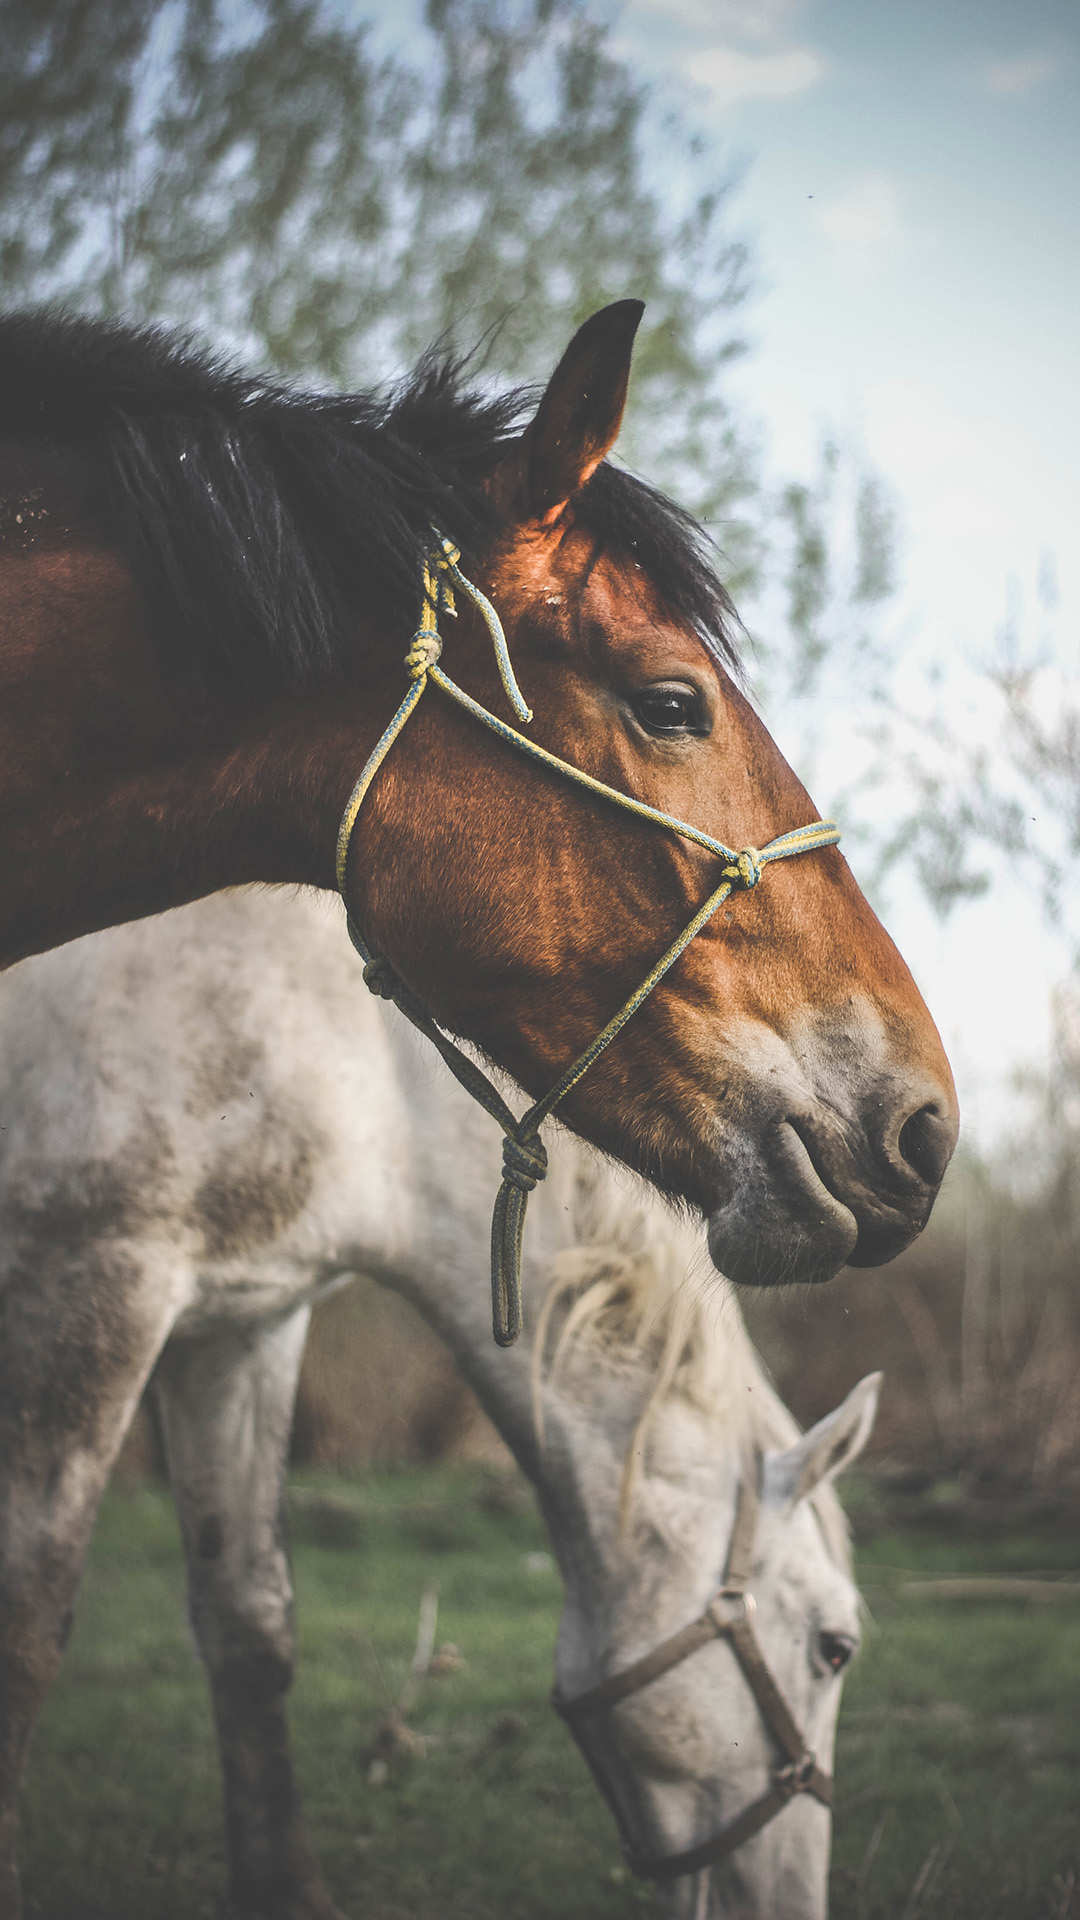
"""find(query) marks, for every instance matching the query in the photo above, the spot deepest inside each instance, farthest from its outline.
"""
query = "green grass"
(957, 1763)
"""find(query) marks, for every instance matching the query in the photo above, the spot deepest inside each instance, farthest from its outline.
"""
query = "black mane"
(261, 519)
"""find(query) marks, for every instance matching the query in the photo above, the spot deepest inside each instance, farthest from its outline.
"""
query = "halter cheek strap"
(729, 1616)
(524, 1155)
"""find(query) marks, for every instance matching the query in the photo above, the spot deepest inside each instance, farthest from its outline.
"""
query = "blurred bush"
(977, 1328)
(378, 1386)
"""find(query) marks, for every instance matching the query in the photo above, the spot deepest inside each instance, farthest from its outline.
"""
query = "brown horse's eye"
(836, 1650)
(668, 709)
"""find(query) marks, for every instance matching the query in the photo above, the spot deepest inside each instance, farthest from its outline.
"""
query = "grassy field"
(957, 1769)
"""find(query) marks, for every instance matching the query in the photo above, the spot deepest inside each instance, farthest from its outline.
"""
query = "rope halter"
(524, 1159)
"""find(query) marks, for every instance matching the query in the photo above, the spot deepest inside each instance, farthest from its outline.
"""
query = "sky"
(911, 192)
(913, 198)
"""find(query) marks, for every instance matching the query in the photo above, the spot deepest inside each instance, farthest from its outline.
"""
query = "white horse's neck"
(637, 1420)
(260, 1018)
(227, 1060)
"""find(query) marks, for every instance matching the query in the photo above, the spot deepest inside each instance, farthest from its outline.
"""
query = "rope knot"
(423, 653)
(524, 1162)
(379, 978)
(747, 869)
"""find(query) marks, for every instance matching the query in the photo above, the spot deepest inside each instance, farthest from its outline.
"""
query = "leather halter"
(728, 1616)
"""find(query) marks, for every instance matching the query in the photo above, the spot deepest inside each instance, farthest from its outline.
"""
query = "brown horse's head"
(207, 588)
(786, 1077)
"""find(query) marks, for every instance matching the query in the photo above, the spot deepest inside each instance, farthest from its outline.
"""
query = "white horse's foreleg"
(79, 1332)
(227, 1404)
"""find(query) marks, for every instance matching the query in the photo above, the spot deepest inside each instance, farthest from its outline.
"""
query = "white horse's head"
(679, 1417)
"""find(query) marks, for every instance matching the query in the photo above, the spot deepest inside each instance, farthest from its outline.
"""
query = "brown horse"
(207, 586)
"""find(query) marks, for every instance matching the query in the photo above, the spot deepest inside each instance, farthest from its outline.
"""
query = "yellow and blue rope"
(524, 1156)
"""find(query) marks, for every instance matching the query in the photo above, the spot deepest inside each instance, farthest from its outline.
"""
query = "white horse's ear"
(829, 1448)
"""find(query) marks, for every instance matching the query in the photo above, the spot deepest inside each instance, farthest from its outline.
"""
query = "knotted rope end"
(525, 1162)
(379, 978)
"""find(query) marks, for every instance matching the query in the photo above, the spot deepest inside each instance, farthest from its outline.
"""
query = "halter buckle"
(724, 1622)
(795, 1777)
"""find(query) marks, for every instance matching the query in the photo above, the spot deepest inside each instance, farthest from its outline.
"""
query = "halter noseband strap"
(524, 1156)
(798, 1772)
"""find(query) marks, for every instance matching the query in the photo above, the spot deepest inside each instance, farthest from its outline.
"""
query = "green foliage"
(824, 658)
(533, 208)
(988, 766)
(268, 179)
(875, 533)
(234, 181)
(838, 535)
(808, 571)
(958, 1738)
(264, 177)
(68, 84)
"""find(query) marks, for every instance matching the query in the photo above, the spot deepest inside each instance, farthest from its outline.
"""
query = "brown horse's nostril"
(926, 1141)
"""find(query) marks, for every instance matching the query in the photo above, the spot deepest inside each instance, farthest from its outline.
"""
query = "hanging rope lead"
(524, 1156)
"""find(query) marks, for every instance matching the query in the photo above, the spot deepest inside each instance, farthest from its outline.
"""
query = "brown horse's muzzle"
(830, 1169)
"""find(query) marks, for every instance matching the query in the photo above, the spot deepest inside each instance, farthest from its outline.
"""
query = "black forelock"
(271, 527)
(676, 555)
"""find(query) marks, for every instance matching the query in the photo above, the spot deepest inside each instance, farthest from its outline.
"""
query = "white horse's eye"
(835, 1649)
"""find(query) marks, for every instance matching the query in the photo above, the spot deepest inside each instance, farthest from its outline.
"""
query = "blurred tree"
(165, 161)
(533, 208)
(826, 658)
(68, 83)
(1024, 795)
(834, 538)
(990, 769)
(265, 177)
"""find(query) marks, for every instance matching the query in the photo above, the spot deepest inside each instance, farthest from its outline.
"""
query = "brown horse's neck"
(120, 803)
(170, 836)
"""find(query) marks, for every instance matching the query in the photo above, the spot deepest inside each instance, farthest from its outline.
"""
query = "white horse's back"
(206, 1122)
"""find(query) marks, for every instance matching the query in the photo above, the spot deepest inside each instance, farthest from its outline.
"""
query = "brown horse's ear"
(578, 419)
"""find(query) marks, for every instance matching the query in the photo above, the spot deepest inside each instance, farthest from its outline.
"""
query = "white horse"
(206, 1122)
